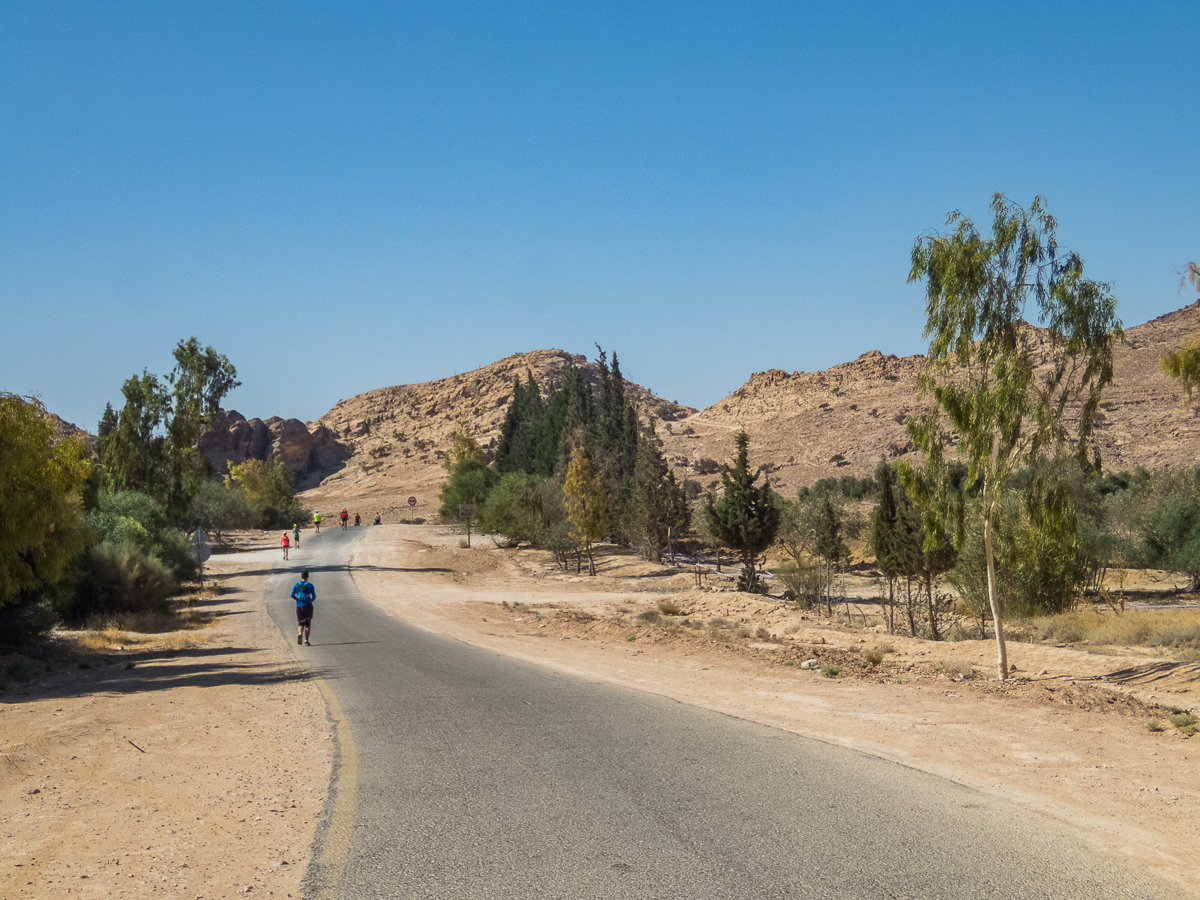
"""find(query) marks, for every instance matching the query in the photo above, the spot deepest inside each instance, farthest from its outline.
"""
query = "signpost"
(465, 511)
(202, 550)
(412, 503)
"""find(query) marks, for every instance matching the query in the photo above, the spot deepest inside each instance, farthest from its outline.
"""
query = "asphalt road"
(465, 774)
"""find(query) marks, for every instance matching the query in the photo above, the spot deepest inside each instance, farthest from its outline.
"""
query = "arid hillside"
(371, 452)
(805, 426)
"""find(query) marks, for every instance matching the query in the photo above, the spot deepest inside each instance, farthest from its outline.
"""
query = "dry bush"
(652, 616)
(961, 668)
(1170, 628)
(668, 607)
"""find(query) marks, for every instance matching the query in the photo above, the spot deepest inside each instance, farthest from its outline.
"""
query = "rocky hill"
(374, 450)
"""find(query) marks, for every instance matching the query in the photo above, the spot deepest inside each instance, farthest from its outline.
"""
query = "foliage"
(846, 486)
(270, 490)
(222, 505)
(746, 516)
(136, 518)
(981, 368)
(463, 446)
(587, 503)
(659, 509)
(41, 487)
(119, 578)
(471, 482)
(516, 507)
(1170, 536)
(152, 444)
(1184, 366)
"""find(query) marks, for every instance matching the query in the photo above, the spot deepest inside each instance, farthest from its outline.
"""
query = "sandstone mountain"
(373, 451)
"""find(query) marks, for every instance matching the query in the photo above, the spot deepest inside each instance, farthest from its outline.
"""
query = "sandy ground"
(202, 771)
(167, 772)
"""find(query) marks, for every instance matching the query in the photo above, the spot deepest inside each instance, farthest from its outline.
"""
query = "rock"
(810, 664)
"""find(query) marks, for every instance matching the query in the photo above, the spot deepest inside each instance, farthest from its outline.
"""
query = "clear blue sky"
(341, 197)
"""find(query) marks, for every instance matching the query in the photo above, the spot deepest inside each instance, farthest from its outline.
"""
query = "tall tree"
(152, 445)
(587, 503)
(41, 486)
(658, 504)
(981, 365)
(517, 449)
(746, 516)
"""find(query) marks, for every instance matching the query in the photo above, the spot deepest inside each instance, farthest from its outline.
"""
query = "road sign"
(201, 549)
(412, 501)
(466, 510)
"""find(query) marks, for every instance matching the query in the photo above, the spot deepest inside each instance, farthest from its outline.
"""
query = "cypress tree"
(745, 516)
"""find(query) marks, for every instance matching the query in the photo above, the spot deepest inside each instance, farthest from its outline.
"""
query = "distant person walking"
(377, 519)
(357, 520)
(345, 516)
(317, 521)
(285, 543)
(305, 595)
(296, 535)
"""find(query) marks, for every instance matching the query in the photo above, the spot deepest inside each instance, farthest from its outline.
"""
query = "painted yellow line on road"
(336, 849)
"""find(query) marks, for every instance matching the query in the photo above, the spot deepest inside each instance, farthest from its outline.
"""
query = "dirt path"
(188, 772)
(1056, 742)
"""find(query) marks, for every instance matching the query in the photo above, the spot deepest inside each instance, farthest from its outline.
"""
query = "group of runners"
(287, 541)
(303, 591)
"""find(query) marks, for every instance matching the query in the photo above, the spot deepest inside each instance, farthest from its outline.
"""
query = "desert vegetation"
(99, 540)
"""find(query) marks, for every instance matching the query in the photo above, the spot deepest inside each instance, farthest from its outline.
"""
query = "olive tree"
(1010, 395)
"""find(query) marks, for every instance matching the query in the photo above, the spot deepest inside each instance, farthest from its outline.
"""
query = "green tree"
(463, 446)
(152, 444)
(517, 449)
(746, 516)
(985, 373)
(587, 503)
(470, 483)
(658, 505)
(41, 487)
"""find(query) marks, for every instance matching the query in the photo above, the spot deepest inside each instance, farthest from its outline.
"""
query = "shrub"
(121, 578)
(874, 657)
(652, 616)
(831, 671)
(668, 607)
(21, 669)
(1154, 725)
(1185, 722)
(1177, 637)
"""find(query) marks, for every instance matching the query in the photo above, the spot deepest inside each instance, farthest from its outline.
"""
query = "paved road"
(470, 775)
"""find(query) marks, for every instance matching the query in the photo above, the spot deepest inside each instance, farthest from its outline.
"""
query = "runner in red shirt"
(345, 515)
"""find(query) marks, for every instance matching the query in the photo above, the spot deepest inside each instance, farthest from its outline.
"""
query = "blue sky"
(345, 197)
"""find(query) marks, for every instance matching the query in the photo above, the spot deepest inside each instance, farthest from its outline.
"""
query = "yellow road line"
(336, 849)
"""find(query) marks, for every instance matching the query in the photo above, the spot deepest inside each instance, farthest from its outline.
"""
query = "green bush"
(21, 669)
(120, 578)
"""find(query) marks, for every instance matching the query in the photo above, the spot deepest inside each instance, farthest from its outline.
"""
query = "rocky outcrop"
(305, 450)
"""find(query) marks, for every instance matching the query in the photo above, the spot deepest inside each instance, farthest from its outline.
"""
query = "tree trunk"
(908, 606)
(591, 560)
(993, 599)
(933, 623)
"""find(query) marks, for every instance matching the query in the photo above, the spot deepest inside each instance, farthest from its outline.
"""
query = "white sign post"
(202, 550)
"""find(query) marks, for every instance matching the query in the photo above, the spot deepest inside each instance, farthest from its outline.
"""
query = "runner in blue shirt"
(304, 594)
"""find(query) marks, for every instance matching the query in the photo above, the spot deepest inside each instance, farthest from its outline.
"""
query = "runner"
(345, 516)
(317, 521)
(377, 519)
(296, 535)
(284, 543)
(305, 595)
(357, 520)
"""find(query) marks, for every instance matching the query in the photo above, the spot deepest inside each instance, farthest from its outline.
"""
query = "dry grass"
(1177, 629)
(174, 630)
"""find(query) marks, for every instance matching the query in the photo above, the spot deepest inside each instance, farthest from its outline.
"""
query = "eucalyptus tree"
(1008, 398)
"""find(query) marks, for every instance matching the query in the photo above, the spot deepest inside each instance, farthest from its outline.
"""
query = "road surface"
(465, 774)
